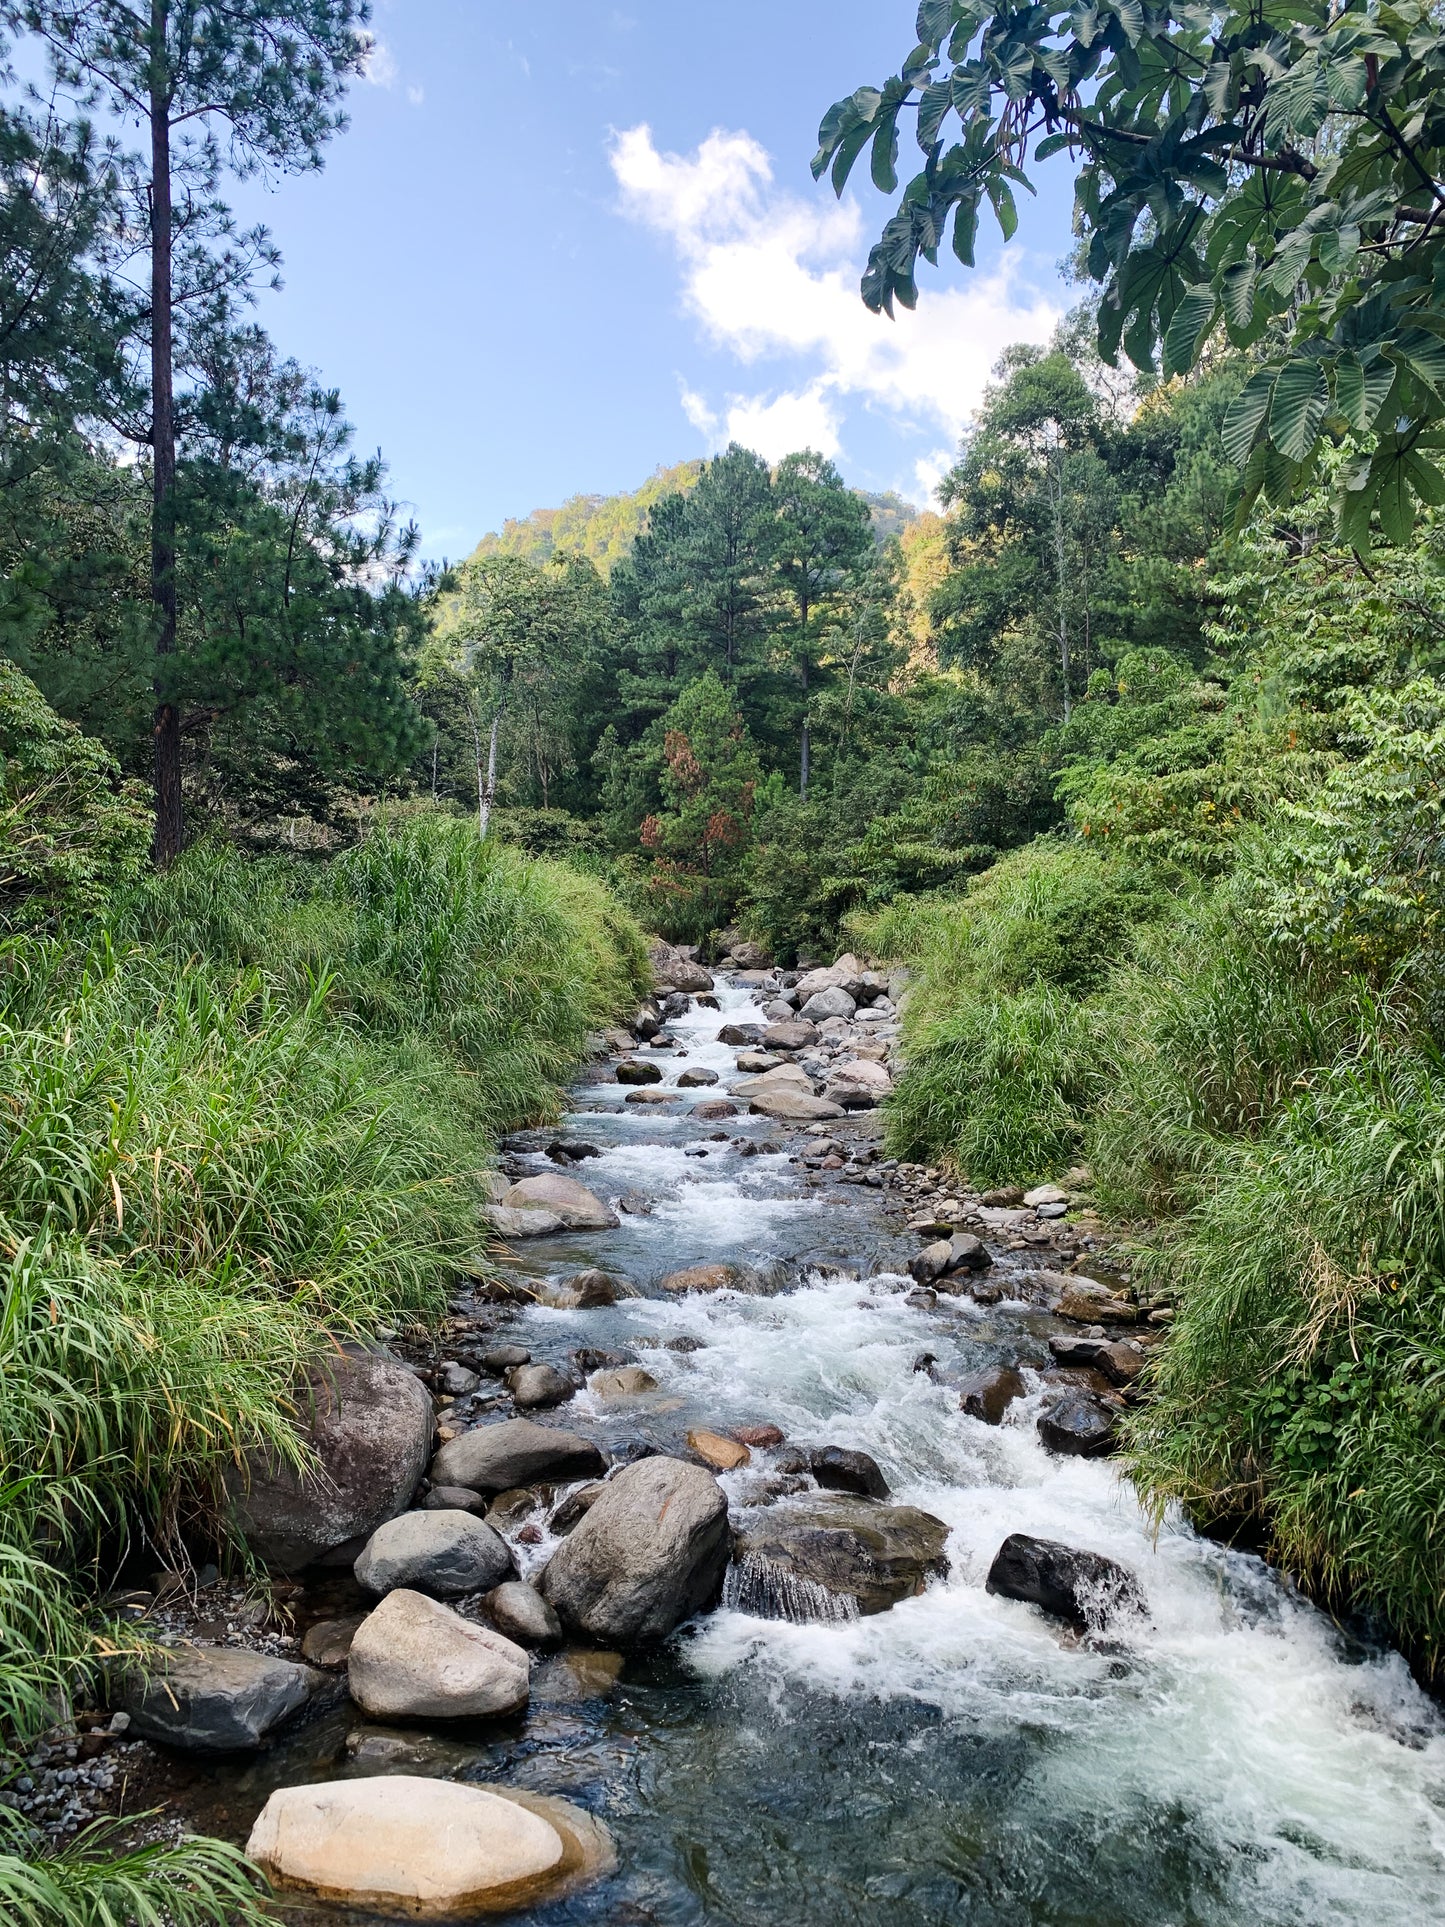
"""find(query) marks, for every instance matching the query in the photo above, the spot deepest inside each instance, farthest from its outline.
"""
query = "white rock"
(414, 1658)
(523, 1224)
(1045, 1194)
(424, 1849)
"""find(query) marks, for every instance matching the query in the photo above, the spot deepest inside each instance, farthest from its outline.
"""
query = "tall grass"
(252, 1114)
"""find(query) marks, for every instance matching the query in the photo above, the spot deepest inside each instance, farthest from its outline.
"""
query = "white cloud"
(771, 275)
(416, 95)
(380, 68)
(929, 471)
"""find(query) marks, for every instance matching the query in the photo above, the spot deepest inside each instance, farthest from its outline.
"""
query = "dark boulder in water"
(1079, 1426)
(988, 1394)
(1083, 1587)
(850, 1549)
(838, 1470)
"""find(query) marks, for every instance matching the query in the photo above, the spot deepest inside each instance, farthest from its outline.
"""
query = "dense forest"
(319, 863)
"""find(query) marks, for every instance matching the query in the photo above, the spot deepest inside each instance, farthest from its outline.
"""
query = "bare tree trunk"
(477, 758)
(490, 794)
(1061, 570)
(170, 821)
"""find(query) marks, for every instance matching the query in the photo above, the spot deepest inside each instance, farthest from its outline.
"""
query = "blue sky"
(561, 245)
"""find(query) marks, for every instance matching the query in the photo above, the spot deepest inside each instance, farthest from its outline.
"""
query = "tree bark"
(170, 820)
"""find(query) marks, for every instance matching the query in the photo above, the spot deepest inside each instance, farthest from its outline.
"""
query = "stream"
(1233, 1759)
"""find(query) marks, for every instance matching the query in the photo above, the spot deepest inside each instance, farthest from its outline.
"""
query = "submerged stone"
(853, 1548)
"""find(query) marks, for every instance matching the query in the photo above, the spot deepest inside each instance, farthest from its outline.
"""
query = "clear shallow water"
(1231, 1761)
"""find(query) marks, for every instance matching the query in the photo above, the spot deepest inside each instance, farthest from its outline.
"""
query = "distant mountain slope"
(604, 527)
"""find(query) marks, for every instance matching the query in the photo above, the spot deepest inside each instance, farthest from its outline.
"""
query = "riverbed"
(1230, 1758)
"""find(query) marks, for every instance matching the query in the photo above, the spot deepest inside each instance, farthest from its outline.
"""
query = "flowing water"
(1233, 1759)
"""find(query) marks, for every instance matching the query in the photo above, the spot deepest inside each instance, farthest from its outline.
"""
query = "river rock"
(650, 1097)
(577, 1207)
(327, 1642)
(785, 1076)
(851, 1548)
(456, 1380)
(697, 1078)
(723, 1455)
(636, 1070)
(535, 1387)
(987, 1394)
(740, 1036)
(1045, 1194)
(495, 1458)
(791, 1034)
(794, 1107)
(1079, 1427)
(832, 1002)
(522, 1614)
(949, 1257)
(577, 1504)
(627, 1381)
(1120, 1361)
(715, 1109)
(672, 971)
(523, 1224)
(649, 1554)
(839, 1470)
(414, 1658)
(757, 1063)
(1083, 1587)
(213, 1699)
(710, 1278)
(500, 1359)
(369, 1422)
(439, 1552)
(764, 1437)
(588, 1291)
(858, 1086)
(425, 1849)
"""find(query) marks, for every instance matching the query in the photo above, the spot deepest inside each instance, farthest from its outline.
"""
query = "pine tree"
(728, 531)
(823, 536)
(214, 84)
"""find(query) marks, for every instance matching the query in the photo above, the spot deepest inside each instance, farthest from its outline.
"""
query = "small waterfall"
(769, 1591)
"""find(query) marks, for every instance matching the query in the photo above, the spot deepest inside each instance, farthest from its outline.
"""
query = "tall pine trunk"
(170, 823)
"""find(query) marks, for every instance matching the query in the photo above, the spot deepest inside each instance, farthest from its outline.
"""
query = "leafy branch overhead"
(1271, 172)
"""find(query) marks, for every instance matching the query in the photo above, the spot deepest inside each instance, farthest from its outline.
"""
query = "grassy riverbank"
(1263, 1117)
(241, 1106)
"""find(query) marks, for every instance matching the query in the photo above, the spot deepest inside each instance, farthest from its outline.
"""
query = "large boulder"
(696, 1079)
(839, 1470)
(415, 1659)
(624, 1381)
(1120, 1361)
(950, 1259)
(368, 1421)
(794, 1106)
(649, 1554)
(790, 1034)
(1083, 1587)
(522, 1614)
(413, 1848)
(577, 1207)
(1079, 1426)
(447, 1553)
(781, 1077)
(987, 1394)
(850, 1549)
(534, 1387)
(636, 1070)
(523, 1224)
(672, 971)
(858, 1086)
(214, 1699)
(832, 1002)
(496, 1458)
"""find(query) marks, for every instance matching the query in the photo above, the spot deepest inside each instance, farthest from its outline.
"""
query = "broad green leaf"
(1297, 407)
(884, 168)
(1191, 321)
(935, 102)
(1246, 413)
(1004, 206)
(965, 228)
(1237, 297)
(1350, 393)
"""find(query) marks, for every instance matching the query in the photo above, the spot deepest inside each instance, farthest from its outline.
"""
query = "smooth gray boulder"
(495, 1458)
(520, 1611)
(1086, 1588)
(214, 1699)
(534, 1387)
(859, 1085)
(636, 1070)
(649, 1553)
(838, 1470)
(562, 1197)
(453, 1498)
(446, 1553)
(790, 1034)
(850, 1548)
(369, 1422)
(832, 1002)
(414, 1658)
